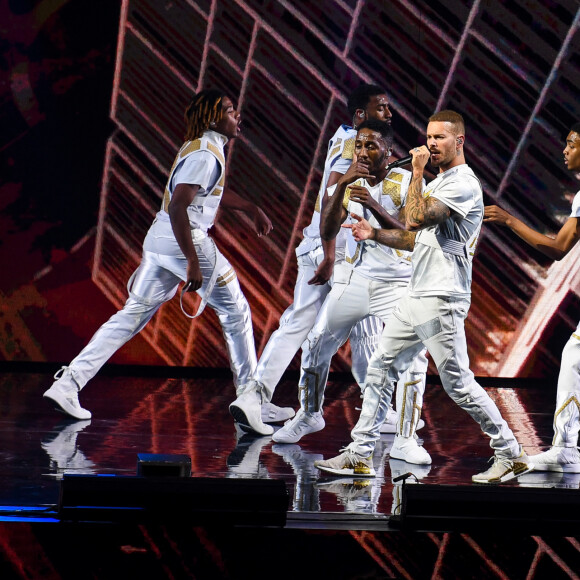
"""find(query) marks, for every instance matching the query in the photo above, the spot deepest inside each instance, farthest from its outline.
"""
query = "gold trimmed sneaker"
(348, 463)
(504, 469)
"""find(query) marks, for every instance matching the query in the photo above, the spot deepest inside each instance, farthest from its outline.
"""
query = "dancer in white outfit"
(445, 222)
(370, 281)
(563, 456)
(316, 261)
(177, 248)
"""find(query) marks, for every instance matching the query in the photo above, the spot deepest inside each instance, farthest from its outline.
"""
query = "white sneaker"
(409, 450)
(302, 424)
(273, 414)
(562, 459)
(64, 395)
(390, 424)
(246, 410)
(348, 463)
(504, 469)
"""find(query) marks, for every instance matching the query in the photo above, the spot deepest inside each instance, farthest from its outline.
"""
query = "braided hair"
(204, 108)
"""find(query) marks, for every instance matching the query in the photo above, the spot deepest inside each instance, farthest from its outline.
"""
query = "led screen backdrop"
(93, 117)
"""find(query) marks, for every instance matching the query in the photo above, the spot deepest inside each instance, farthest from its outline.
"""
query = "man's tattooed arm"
(398, 239)
(422, 212)
(429, 213)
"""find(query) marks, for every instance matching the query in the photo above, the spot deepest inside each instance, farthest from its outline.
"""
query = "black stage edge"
(479, 508)
(196, 500)
(175, 372)
(163, 465)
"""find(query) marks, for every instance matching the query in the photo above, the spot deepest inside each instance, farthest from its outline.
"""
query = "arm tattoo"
(398, 239)
(435, 212)
(421, 212)
(414, 205)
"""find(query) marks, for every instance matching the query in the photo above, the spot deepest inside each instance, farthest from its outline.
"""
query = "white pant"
(566, 418)
(297, 321)
(352, 299)
(436, 323)
(155, 281)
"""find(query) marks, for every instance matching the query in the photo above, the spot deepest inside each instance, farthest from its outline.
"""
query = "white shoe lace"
(503, 461)
(351, 456)
(60, 372)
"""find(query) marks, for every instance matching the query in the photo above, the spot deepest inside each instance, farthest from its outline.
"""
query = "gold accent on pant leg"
(414, 406)
(226, 278)
(413, 413)
(402, 411)
(572, 399)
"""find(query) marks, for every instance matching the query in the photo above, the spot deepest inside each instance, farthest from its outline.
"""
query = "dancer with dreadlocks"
(177, 248)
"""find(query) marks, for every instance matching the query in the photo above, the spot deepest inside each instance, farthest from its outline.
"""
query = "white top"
(201, 168)
(575, 206)
(367, 258)
(441, 273)
(338, 158)
(194, 165)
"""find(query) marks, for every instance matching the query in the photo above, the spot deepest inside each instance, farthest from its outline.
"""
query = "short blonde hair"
(455, 119)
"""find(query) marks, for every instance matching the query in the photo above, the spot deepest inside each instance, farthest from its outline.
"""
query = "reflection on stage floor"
(133, 415)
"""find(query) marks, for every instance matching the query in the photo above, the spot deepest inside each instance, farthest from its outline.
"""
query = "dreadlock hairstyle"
(204, 108)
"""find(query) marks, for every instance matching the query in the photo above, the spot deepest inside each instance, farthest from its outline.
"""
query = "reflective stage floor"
(189, 416)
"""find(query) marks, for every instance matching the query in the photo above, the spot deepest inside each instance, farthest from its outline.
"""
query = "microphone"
(400, 162)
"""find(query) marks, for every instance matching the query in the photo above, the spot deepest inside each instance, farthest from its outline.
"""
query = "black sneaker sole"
(239, 415)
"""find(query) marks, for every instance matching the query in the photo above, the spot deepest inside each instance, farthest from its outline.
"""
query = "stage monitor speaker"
(195, 500)
(482, 508)
(159, 465)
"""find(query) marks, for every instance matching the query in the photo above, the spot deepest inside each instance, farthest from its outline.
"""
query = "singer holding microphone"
(442, 224)
(369, 282)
